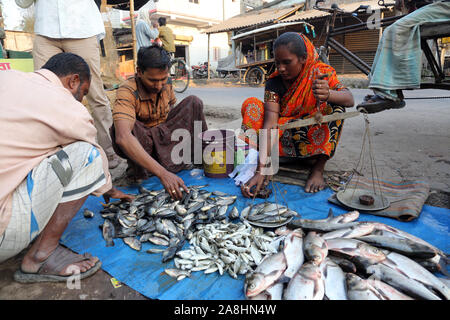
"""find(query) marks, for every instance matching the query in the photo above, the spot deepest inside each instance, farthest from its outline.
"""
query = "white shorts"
(36, 198)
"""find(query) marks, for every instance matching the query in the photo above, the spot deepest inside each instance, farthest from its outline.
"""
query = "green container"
(19, 54)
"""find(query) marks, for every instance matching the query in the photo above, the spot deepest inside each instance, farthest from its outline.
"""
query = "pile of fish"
(224, 247)
(267, 214)
(155, 217)
(339, 258)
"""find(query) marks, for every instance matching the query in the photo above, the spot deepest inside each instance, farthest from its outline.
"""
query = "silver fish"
(267, 273)
(315, 247)
(413, 270)
(234, 213)
(293, 251)
(361, 252)
(176, 273)
(401, 281)
(360, 289)
(307, 284)
(334, 280)
(359, 230)
(388, 292)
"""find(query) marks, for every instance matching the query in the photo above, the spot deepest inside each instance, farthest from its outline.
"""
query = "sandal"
(49, 271)
(375, 103)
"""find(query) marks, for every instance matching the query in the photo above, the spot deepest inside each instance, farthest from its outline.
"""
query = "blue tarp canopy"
(143, 271)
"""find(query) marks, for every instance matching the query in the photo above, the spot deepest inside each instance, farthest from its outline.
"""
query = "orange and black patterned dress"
(298, 102)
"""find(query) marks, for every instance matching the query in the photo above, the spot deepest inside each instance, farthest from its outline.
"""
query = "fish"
(293, 251)
(360, 289)
(108, 232)
(400, 245)
(401, 282)
(315, 247)
(266, 274)
(133, 243)
(177, 273)
(88, 213)
(359, 252)
(415, 271)
(234, 213)
(388, 292)
(307, 284)
(274, 292)
(334, 280)
(359, 230)
(316, 225)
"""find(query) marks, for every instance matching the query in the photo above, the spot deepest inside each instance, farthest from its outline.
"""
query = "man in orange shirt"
(145, 116)
(49, 163)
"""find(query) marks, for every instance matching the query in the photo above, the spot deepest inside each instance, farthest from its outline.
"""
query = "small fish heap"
(224, 247)
(342, 259)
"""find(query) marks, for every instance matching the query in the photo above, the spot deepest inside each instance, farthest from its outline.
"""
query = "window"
(194, 1)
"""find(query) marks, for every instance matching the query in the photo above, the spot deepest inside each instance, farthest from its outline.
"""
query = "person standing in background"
(166, 36)
(75, 27)
(145, 29)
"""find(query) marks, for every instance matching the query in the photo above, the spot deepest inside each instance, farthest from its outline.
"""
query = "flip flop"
(376, 103)
(49, 271)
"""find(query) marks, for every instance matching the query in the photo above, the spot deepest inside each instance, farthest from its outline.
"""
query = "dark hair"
(293, 41)
(162, 21)
(153, 57)
(66, 63)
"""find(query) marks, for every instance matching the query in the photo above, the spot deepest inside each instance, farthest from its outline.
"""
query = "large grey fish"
(361, 229)
(316, 225)
(315, 247)
(266, 273)
(343, 218)
(293, 251)
(387, 291)
(334, 280)
(360, 252)
(415, 271)
(404, 246)
(307, 284)
(400, 281)
(274, 292)
(359, 289)
(108, 232)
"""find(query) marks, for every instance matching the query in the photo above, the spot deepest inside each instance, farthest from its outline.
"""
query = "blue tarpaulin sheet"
(143, 272)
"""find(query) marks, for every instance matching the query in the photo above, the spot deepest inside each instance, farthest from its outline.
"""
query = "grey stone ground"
(412, 144)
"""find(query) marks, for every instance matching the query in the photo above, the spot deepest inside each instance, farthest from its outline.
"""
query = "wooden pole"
(133, 33)
(327, 118)
(209, 36)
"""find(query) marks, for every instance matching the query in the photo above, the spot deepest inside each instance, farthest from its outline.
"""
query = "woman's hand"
(258, 180)
(321, 90)
(172, 184)
(117, 194)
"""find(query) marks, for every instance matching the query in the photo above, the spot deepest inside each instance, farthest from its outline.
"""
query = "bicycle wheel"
(180, 76)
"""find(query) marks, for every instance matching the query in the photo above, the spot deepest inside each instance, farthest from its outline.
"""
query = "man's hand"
(117, 194)
(172, 184)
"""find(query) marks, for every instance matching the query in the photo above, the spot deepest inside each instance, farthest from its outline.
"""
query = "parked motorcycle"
(201, 71)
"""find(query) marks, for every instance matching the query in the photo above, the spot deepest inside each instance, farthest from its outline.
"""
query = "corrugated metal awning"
(253, 18)
(312, 14)
(273, 26)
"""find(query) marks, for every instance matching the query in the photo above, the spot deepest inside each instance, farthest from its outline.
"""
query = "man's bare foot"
(32, 262)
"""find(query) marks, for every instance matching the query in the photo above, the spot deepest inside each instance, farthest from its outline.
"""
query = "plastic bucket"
(217, 152)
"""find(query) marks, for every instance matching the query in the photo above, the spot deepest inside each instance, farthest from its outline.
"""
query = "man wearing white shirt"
(76, 27)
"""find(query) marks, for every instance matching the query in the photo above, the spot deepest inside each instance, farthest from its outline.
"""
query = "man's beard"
(78, 96)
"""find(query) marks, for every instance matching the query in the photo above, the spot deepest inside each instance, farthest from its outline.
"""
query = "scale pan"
(350, 198)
